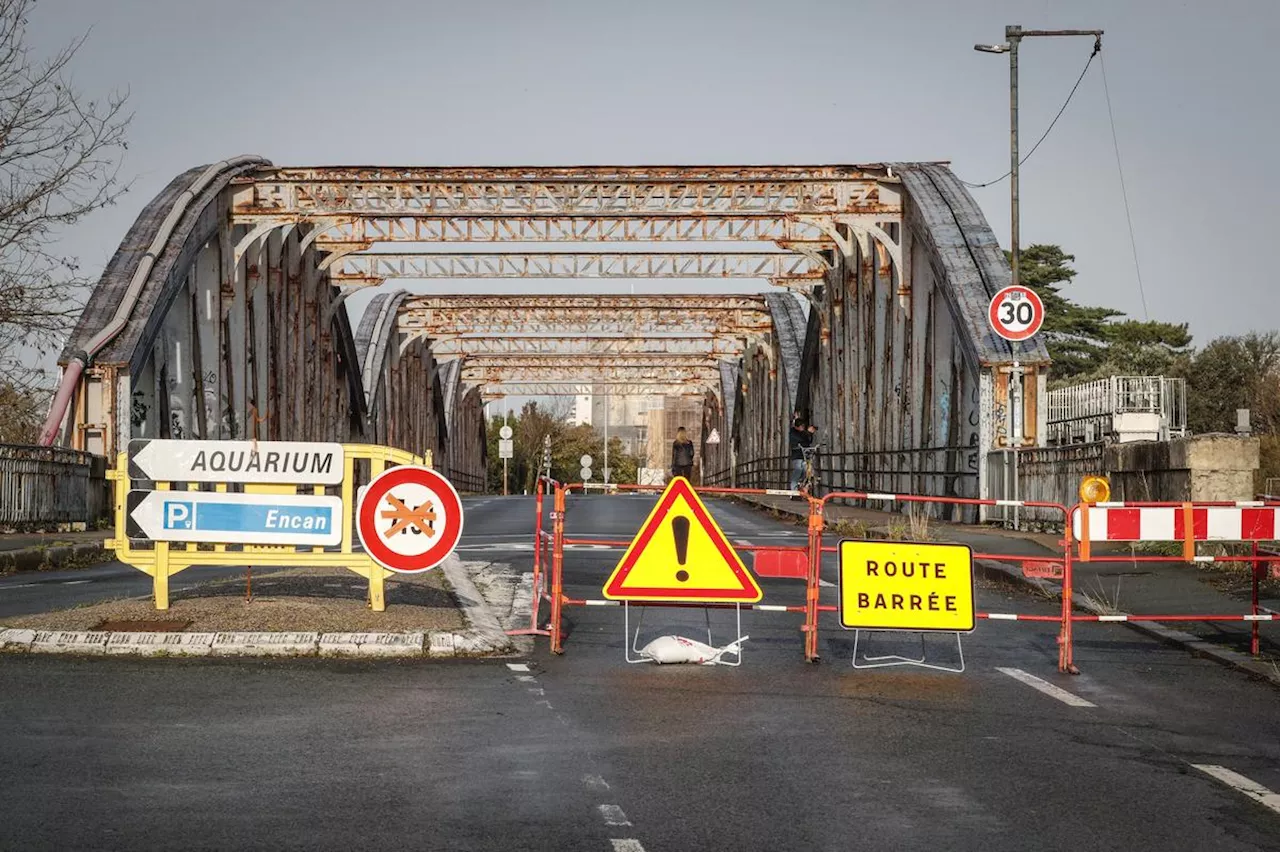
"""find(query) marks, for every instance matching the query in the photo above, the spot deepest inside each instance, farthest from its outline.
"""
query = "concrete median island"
(295, 612)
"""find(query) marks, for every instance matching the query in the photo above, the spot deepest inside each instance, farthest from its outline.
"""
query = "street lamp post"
(1014, 35)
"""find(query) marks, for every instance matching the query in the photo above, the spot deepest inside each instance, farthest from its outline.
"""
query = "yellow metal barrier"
(167, 558)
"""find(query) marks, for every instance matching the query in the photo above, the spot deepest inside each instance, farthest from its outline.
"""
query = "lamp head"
(991, 48)
(1095, 489)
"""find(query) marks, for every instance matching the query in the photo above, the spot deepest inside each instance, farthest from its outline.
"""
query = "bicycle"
(809, 478)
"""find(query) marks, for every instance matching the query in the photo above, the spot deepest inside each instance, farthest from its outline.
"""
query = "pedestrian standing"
(682, 455)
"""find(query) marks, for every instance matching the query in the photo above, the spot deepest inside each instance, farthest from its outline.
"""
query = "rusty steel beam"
(509, 370)
(376, 268)
(579, 191)
(469, 345)
(645, 316)
(366, 230)
(572, 174)
(498, 390)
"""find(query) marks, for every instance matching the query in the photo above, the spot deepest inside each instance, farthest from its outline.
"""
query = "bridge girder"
(678, 370)
(734, 316)
(374, 269)
(576, 191)
(471, 346)
(781, 229)
(498, 390)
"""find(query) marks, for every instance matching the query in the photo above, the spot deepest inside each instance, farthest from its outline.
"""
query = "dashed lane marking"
(627, 845)
(22, 586)
(1046, 687)
(1241, 784)
(74, 582)
(613, 815)
(596, 782)
(518, 667)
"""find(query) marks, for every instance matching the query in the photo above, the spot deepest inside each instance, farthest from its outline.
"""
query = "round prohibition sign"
(1016, 313)
(409, 519)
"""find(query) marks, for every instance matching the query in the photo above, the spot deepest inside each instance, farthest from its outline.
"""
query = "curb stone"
(264, 644)
(1178, 638)
(16, 639)
(50, 558)
(372, 644)
(70, 641)
(152, 644)
(485, 635)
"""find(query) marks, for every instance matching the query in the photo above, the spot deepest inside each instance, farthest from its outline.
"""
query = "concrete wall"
(1202, 467)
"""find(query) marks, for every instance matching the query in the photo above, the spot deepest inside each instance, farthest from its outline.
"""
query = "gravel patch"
(320, 600)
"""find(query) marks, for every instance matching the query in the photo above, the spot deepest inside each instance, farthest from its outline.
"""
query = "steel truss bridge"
(224, 313)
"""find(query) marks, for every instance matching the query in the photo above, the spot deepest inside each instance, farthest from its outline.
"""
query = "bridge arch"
(231, 322)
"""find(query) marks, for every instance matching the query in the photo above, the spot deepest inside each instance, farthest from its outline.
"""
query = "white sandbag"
(678, 649)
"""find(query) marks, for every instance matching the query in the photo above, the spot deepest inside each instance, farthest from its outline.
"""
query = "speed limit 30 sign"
(1016, 313)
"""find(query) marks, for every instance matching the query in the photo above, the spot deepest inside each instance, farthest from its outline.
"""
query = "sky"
(1194, 88)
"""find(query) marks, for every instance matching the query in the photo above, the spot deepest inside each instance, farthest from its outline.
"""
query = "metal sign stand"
(886, 660)
(630, 641)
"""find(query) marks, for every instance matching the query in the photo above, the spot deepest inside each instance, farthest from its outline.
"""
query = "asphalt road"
(583, 751)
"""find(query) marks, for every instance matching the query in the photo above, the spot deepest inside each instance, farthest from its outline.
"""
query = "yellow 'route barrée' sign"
(892, 585)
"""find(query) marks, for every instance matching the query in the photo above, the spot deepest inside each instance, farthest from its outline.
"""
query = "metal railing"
(939, 471)
(929, 470)
(469, 482)
(770, 472)
(1086, 412)
(1043, 474)
(51, 485)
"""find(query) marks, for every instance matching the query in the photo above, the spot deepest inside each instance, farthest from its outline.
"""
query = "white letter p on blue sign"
(177, 516)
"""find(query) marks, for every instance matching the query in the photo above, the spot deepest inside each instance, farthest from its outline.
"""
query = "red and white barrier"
(1120, 522)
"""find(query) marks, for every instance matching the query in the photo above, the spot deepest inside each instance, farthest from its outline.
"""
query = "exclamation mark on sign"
(680, 529)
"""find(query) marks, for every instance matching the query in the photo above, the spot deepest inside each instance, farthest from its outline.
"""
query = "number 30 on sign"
(1016, 313)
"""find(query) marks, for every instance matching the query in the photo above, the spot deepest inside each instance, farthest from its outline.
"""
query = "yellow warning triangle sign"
(681, 555)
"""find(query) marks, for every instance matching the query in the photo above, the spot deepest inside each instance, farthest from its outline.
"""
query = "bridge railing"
(51, 486)
(925, 470)
(1050, 474)
(468, 482)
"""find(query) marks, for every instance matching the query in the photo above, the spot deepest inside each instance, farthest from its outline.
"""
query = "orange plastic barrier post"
(557, 571)
(813, 590)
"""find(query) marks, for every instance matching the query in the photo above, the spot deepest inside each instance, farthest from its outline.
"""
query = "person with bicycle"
(800, 439)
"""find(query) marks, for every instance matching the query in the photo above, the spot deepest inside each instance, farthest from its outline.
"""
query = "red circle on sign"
(1016, 313)
(405, 507)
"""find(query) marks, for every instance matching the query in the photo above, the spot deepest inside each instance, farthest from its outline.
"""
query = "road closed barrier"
(658, 582)
(1244, 523)
(180, 504)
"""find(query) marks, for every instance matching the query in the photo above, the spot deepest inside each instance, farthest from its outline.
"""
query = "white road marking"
(1238, 782)
(1046, 687)
(518, 667)
(613, 815)
(595, 782)
(627, 845)
(74, 582)
(20, 586)
(822, 582)
(526, 678)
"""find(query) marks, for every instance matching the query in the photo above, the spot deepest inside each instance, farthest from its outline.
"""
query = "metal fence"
(936, 471)
(1087, 412)
(467, 482)
(51, 485)
(1046, 474)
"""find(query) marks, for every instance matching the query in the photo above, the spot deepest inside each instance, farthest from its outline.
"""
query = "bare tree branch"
(59, 162)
